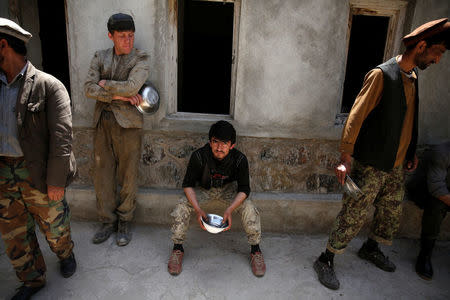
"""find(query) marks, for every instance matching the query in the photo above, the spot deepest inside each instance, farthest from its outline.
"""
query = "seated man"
(221, 173)
(430, 189)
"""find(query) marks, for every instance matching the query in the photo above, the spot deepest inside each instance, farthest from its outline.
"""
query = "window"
(52, 32)
(366, 50)
(205, 45)
(374, 35)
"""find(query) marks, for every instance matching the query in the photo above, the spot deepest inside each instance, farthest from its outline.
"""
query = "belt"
(10, 160)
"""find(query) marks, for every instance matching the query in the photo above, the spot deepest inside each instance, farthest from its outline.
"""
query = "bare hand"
(344, 167)
(227, 217)
(102, 83)
(201, 214)
(445, 199)
(410, 166)
(55, 193)
(134, 100)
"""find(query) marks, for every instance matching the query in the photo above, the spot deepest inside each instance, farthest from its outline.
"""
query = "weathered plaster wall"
(434, 84)
(288, 51)
(291, 67)
(291, 63)
(279, 165)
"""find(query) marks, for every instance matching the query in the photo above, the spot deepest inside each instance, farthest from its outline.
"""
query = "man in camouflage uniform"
(36, 162)
(381, 135)
(114, 79)
(217, 173)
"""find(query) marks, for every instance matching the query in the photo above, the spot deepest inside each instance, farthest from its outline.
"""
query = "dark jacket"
(44, 122)
(379, 137)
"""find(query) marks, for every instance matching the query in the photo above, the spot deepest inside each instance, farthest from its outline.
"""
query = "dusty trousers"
(21, 206)
(225, 195)
(116, 154)
(383, 190)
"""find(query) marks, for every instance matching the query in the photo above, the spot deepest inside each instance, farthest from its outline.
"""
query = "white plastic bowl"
(214, 223)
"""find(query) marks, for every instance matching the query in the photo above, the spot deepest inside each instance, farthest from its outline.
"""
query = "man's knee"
(250, 216)
(182, 211)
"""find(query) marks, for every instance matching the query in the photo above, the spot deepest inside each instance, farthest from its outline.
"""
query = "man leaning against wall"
(36, 162)
(381, 135)
(114, 79)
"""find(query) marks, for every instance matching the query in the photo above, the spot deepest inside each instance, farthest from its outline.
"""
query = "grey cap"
(10, 28)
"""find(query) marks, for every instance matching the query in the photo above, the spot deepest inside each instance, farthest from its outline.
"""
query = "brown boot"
(257, 264)
(175, 262)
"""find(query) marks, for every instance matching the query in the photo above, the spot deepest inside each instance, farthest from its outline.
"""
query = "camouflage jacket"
(44, 122)
(124, 75)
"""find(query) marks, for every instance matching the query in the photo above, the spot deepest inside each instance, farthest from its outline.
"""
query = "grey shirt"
(438, 170)
(9, 141)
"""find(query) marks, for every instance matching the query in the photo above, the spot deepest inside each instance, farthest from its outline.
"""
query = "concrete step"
(280, 212)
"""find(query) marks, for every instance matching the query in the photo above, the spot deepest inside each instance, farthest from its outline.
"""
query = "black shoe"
(424, 268)
(68, 266)
(376, 257)
(25, 292)
(123, 233)
(103, 233)
(326, 274)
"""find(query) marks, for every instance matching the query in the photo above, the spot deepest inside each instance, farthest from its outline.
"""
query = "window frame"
(396, 11)
(172, 107)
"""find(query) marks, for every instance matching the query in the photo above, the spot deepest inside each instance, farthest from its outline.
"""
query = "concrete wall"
(287, 49)
(434, 84)
(291, 67)
(26, 15)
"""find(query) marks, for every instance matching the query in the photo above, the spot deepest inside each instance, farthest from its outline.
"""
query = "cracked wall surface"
(284, 165)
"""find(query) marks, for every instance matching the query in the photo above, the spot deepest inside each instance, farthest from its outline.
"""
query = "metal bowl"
(352, 189)
(150, 96)
(214, 223)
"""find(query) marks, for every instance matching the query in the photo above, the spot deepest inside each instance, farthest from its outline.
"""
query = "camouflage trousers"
(224, 197)
(383, 190)
(20, 207)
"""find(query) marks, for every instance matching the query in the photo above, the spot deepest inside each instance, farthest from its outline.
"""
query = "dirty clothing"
(225, 195)
(119, 154)
(118, 134)
(208, 172)
(21, 206)
(384, 190)
(125, 75)
(368, 99)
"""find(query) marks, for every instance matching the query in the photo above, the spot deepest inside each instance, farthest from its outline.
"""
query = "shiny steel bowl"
(214, 223)
(352, 189)
(150, 96)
